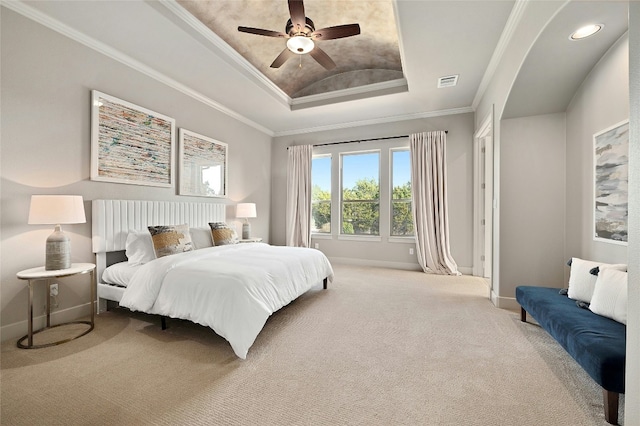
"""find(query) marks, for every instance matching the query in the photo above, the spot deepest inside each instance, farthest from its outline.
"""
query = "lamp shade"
(245, 210)
(56, 210)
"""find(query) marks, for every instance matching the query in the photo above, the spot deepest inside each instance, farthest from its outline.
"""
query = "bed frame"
(113, 219)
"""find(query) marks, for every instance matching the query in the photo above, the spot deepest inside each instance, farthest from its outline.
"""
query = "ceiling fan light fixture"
(300, 45)
(586, 31)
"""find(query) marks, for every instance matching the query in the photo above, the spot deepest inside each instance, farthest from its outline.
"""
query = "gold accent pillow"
(223, 234)
(171, 239)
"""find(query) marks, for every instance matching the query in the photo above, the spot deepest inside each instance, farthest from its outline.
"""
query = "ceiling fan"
(302, 33)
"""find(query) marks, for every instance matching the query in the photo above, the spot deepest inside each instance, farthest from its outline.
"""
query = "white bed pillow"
(201, 237)
(139, 247)
(610, 295)
(582, 282)
(119, 273)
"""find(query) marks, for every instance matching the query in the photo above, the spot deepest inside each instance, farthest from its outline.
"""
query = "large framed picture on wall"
(611, 180)
(130, 144)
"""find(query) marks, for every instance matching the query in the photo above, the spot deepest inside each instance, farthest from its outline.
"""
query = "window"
(321, 194)
(401, 219)
(360, 193)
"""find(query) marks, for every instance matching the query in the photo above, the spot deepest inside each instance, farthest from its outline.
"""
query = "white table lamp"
(57, 210)
(246, 211)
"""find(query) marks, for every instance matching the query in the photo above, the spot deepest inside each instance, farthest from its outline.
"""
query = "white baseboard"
(20, 328)
(465, 270)
(508, 303)
(380, 263)
(385, 264)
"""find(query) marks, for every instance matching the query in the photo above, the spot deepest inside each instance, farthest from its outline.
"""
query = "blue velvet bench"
(597, 343)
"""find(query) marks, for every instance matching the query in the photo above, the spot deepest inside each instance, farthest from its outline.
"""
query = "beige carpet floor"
(380, 347)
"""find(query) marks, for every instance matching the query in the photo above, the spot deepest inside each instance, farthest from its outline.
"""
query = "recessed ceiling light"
(586, 31)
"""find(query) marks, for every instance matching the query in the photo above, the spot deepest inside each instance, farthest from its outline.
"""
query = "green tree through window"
(401, 219)
(321, 194)
(361, 193)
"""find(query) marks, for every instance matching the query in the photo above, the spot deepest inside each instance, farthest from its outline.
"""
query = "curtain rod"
(363, 140)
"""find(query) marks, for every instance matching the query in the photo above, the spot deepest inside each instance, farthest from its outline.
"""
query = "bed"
(232, 289)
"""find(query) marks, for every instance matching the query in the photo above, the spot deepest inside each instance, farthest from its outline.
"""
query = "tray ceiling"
(467, 38)
(370, 57)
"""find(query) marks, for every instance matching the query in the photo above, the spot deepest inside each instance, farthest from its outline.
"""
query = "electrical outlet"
(411, 251)
(317, 245)
(53, 289)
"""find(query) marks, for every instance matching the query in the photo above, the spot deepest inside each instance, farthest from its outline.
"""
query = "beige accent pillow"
(172, 239)
(223, 234)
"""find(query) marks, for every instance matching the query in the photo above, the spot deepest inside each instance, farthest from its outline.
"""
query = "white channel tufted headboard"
(113, 219)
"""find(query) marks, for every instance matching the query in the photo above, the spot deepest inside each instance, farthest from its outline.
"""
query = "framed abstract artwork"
(202, 165)
(611, 180)
(130, 144)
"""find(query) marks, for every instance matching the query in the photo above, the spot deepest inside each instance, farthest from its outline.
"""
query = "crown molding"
(55, 25)
(505, 38)
(396, 15)
(374, 121)
(359, 92)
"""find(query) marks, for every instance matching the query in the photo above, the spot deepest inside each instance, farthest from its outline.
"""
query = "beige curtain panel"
(429, 207)
(298, 214)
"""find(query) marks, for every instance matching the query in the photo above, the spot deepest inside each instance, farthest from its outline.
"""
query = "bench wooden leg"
(163, 322)
(523, 315)
(324, 283)
(610, 406)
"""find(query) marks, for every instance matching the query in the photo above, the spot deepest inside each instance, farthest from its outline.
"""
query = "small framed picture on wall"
(202, 165)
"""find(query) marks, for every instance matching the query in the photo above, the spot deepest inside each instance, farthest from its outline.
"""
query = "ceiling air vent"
(448, 81)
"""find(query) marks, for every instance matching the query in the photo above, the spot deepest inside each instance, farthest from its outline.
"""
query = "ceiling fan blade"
(296, 10)
(322, 58)
(259, 31)
(282, 58)
(339, 31)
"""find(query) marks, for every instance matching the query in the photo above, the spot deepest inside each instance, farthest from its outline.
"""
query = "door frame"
(485, 131)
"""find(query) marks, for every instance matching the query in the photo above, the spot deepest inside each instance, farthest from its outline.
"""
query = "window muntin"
(360, 203)
(321, 194)
(401, 218)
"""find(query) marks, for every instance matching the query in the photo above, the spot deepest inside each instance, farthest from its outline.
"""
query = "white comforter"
(233, 289)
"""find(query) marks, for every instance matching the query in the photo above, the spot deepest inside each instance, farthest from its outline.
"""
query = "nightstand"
(251, 240)
(40, 274)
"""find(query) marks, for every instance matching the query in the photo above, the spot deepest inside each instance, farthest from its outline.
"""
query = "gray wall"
(532, 198)
(533, 20)
(460, 183)
(632, 402)
(546, 181)
(601, 102)
(46, 84)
